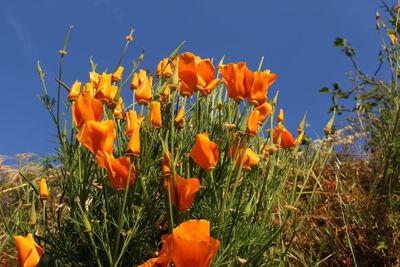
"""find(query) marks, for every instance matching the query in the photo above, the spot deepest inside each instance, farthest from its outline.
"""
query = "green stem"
(120, 215)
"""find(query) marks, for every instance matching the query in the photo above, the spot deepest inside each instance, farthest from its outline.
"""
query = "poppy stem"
(122, 210)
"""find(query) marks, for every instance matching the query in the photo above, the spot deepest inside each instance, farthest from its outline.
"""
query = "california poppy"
(262, 80)
(164, 68)
(117, 75)
(285, 136)
(143, 92)
(166, 164)
(138, 79)
(190, 244)
(252, 123)
(205, 77)
(134, 141)
(94, 78)
(238, 79)
(132, 119)
(186, 191)
(118, 110)
(86, 108)
(204, 152)
(180, 118)
(75, 91)
(117, 169)
(250, 159)
(43, 191)
(97, 136)
(88, 89)
(29, 252)
(264, 109)
(106, 91)
(281, 116)
(155, 114)
(187, 74)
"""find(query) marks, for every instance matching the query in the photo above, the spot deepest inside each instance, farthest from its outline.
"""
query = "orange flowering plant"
(125, 185)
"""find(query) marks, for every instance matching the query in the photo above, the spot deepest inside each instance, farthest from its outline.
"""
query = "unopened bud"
(175, 76)
(176, 51)
(328, 127)
(302, 123)
(86, 223)
(141, 56)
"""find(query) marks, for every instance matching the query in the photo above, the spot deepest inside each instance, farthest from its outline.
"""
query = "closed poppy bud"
(134, 142)
(299, 139)
(43, 191)
(86, 108)
(180, 118)
(285, 136)
(97, 136)
(166, 164)
(264, 109)
(75, 91)
(257, 94)
(187, 74)
(186, 191)
(281, 116)
(94, 78)
(164, 68)
(117, 75)
(143, 92)
(117, 169)
(204, 152)
(252, 123)
(138, 79)
(155, 115)
(29, 252)
(131, 120)
(190, 244)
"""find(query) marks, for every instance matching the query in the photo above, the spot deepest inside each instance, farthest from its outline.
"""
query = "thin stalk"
(120, 215)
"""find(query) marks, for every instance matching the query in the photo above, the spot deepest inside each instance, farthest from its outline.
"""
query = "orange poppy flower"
(287, 140)
(138, 79)
(252, 123)
(180, 118)
(88, 89)
(43, 191)
(117, 169)
(162, 261)
(186, 190)
(143, 92)
(204, 152)
(117, 75)
(164, 68)
(264, 109)
(187, 74)
(258, 91)
(166, 164)
(97, 136)
(105, 90)
(155, 115)
(205, 77)
(190, 244)
(118, 111)
(250, 159)
(132, 119)
(75, 91)
(86, 108)
(238, 79)
(29, 252)
(134, 141)
(94, 78)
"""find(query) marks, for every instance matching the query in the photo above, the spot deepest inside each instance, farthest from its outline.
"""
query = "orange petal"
(264, 109)
(43, 190)
(252, 123)
(204, 152)
(155, 115)
(187, 74)
(86, 108)
(97, 136)
(74, 91)
(117, 75)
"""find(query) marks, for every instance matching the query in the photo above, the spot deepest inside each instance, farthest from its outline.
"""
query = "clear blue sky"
(294, 36)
